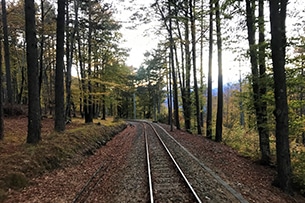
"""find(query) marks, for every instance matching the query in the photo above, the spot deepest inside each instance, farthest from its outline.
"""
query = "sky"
(142, 39)
(139, 39)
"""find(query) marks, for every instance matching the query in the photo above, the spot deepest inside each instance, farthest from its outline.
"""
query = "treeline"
(44, 44)
(190, 27)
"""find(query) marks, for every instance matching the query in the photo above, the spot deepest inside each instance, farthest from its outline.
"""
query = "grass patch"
(245, 142)
(298, 165)
(20, 161)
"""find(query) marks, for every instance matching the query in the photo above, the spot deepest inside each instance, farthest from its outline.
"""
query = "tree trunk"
(1, 96)
(219, 118)
(278, 46)
(103, 104)
(69, 57)
(169, 98)
(34, 117)
(173, 72)
(201, 91)
(209, 99)
(89, 101)
(7, 55)
(19, 99)
(193, 34)
(82, 75)
(70, 52)
(187, 95)
(42, 40)
(59, 77)
(181, 70)
(257, 87)
(262, 114)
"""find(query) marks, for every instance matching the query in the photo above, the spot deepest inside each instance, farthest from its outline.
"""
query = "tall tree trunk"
(201, 64)
(257, 87)
(82, 75)
(241, 106)
(210, 96)
(278, 10)
(103, 103)
(193, 34)
(187, 107)
(19, 98)
(169, 98)
(89, 101)
(34, 116)
(219, 117)
(173, 72)
(69, 57)
(174, 87)
(7, 55)
(181, 69)
(1, 96)
(263, 127)
(59, 77)
(42, 40)
(70, 52)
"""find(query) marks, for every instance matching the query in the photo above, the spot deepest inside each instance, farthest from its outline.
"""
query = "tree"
(59, 77)
(16, 21)
(7, 54)
(193, 34)
(172, 64)
(1, 100)
(202, 86)
(278, 10)
(97, 41)
(209, 99)
(89, 101)
(34, 117)
(150, 82)
(219, 117)
(262, 114)
(70, 41)
(168, 23)
(258, 76)
(187, 90)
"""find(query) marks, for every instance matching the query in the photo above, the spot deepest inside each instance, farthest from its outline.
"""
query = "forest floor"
(21, 163)
(59, 183)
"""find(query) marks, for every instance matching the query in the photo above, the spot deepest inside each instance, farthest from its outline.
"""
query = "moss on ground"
(56, 150)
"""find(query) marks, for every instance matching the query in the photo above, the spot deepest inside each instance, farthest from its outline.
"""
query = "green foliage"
(150, 79)
(298, 166)
(244, 141)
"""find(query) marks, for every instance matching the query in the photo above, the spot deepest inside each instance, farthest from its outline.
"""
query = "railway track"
(167, 182)
(208, 185)
(157, 169)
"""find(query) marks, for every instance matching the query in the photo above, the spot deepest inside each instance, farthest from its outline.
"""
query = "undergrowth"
(246, 142)
(56, 150)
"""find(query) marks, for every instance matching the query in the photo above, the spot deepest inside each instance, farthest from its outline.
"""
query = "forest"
(64, 59)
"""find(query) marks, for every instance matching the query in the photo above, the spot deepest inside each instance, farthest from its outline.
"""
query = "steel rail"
(148, 167)
(236, 194)
(86, 189)
(177, 166)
